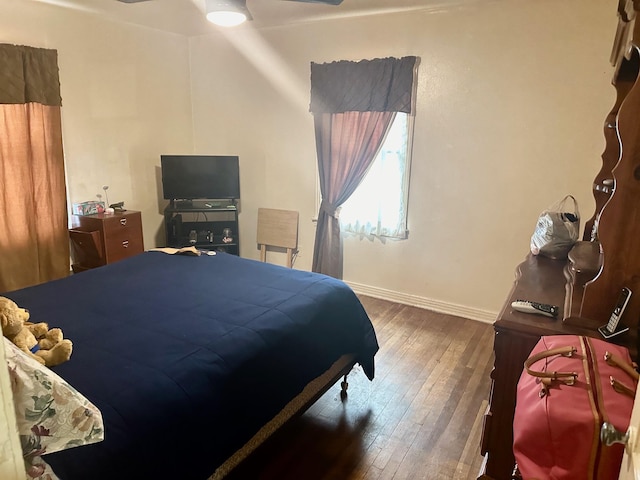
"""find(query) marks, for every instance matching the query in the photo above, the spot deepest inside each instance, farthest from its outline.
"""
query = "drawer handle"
(123, 221)
(125, 243)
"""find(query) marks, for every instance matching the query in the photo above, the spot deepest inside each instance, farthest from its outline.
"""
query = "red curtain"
(347, 144)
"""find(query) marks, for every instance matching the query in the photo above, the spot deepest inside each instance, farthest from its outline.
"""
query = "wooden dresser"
(544, 280)
(101, 239)
(586, 286)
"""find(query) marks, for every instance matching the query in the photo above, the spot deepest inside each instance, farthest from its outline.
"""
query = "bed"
(192, 359)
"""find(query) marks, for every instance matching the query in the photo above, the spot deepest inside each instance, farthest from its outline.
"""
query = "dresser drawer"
(123, 237)
(120, 236)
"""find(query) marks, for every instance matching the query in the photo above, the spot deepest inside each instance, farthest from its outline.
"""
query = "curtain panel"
(29, 74)
(379, 85)
(34, 245)
(353, 104)
(347, 144)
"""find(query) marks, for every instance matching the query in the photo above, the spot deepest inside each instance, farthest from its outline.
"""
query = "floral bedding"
(51, 415)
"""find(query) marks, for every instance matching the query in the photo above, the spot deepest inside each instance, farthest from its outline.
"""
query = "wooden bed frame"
(297, 406)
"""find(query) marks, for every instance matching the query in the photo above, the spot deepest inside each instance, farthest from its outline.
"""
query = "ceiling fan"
(326, 2)
(229, 13)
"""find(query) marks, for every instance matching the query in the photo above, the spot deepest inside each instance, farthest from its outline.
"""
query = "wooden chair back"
(277, 228)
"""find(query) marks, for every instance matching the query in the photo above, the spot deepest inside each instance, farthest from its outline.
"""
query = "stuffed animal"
(50, 338)
(51, 350)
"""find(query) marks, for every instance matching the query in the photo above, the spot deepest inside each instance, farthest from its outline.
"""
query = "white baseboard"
(484, 316)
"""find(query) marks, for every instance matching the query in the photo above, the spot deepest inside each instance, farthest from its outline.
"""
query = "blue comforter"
(187, 357)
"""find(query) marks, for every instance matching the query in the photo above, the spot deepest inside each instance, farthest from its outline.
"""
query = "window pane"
(378, 206)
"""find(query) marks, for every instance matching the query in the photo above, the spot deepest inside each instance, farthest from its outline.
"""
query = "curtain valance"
(379, 85)
(29, 74)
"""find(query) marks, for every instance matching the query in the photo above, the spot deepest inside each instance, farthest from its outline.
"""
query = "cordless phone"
(613, 327)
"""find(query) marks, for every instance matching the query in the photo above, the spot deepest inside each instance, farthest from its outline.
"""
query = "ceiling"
(186, 17)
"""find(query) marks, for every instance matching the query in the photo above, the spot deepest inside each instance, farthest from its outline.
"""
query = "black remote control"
(527, 306)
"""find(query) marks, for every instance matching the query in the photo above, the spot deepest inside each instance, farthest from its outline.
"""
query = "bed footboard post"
(343, 387)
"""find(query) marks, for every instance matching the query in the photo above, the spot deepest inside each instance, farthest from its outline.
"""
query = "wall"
(511, 101)
(126, 100)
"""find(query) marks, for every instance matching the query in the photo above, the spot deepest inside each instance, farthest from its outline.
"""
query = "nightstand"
(101, 239)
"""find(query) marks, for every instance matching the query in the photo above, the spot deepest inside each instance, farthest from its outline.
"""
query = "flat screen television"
(189, 177)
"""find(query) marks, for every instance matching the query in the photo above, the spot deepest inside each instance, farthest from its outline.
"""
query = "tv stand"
(188, 204)
(175, 203)
(203, 224)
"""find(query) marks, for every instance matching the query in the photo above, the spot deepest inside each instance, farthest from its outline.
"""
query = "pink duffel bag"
(569, 387)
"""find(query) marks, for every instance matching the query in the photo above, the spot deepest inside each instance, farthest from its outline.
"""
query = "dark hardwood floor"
(420, 418)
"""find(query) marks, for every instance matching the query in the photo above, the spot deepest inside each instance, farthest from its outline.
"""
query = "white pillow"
(51, 414)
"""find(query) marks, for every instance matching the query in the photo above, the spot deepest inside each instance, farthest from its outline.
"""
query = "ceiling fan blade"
(132, 1)
(326, 2)
(70, 5)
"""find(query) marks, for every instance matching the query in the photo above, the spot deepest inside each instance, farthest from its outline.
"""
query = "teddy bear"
(47, 347)
(48, 339)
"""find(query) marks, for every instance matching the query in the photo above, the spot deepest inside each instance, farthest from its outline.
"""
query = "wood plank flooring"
(420, 418)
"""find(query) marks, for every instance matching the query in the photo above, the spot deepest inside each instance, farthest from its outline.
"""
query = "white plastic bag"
(557, 229)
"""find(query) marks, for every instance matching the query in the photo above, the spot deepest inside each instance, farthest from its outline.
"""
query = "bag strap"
(575, 204)
(566, 377)
(615, 361)
(620, 387)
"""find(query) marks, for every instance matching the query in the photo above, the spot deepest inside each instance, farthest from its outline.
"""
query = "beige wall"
(126, 100)
(511, 101)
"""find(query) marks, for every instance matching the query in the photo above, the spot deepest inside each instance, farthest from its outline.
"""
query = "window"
(379, 205)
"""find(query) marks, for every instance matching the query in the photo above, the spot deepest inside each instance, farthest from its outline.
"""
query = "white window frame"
(403, 232)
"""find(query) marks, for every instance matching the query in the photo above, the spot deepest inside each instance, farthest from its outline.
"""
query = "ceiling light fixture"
(227, 13)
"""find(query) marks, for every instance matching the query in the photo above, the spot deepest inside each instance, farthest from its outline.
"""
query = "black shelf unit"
(204, 222)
